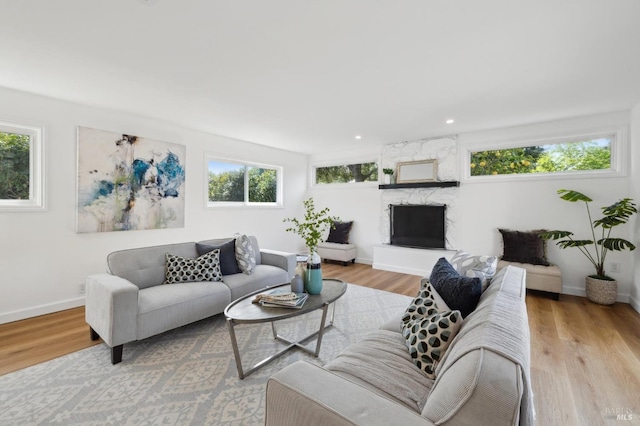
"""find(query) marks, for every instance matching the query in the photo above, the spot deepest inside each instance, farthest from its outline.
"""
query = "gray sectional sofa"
(130, 302)
(483, 378)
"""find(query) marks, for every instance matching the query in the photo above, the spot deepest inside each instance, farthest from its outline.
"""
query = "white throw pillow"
(468, 265)
(245, 255)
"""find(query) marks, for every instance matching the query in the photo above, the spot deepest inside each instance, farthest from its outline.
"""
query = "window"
(234, 183)
(587, 154)
(21, 167)
(347, 173)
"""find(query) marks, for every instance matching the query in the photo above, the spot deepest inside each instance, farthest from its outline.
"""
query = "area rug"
(186, 376)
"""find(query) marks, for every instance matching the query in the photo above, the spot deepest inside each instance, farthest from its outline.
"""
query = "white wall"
(521, 205)
(484, 207)
(42, 259)
(635, 194)
(360, 204)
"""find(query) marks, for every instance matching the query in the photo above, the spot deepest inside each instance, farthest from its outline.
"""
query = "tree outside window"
(348, 173)
(573, 156)
(14, 166)
(244, 183)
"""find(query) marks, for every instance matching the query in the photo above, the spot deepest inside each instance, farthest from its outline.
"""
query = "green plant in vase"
(600, 287)
(312, 229)
(387, 175)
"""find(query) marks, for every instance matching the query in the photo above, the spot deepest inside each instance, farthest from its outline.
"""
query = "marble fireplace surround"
(409, 260)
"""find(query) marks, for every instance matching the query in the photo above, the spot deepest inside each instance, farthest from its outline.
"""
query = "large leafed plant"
(596, 249)
(313, 226)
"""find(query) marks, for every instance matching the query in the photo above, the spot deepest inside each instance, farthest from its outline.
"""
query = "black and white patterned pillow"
(429, 337)
(180, 269)
(245, 255)
(421, 306)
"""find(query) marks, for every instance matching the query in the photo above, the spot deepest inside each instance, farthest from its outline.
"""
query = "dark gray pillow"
(524, 247)
(339, 233)
(228, 263)
(458, 292)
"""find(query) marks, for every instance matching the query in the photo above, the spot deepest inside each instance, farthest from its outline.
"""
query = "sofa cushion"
(524, 247)
(245, 254)
(460, 293)
(228, 262)
(262, 276)
(145, 266)
(381, 363)
(339, 232)
(429, 337)
(483, 267)
(186, 269)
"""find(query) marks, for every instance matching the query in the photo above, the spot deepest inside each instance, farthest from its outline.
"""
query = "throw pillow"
(186, 269)
(524, 247)
(428, 339)
(421, 306)
(483, 267)
(458, 292)
(245, 255)
(228, 262)
(339, 232)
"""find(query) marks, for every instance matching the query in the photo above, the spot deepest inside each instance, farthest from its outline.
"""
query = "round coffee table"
(243, 311)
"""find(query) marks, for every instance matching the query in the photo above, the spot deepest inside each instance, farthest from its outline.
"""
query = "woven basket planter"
(603, 292)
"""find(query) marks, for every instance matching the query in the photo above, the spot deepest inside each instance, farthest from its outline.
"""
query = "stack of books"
(283, 299)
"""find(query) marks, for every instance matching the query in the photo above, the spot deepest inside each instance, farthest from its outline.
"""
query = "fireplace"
(421, 226)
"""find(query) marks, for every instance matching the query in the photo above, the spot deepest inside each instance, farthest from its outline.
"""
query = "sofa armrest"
(281, 259)
(111, 308)
(305, 394)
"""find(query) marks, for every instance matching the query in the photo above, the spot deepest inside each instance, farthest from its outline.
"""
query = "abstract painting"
(128, 183)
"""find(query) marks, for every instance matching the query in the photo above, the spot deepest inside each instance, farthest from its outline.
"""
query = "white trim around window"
(37, 199)
(619, 156)
(342, 162)
(210, 157)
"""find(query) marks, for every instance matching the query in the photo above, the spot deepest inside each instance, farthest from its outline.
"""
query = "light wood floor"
(585, 358)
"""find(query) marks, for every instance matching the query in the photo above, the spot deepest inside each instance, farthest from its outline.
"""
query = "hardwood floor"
(585, 358)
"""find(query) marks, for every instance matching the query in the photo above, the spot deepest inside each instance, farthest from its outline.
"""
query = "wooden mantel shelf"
(446, 184)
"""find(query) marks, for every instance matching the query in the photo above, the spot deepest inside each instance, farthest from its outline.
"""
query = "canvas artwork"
(128, 183)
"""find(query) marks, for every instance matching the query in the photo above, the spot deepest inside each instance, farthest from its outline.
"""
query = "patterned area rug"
(186, 376)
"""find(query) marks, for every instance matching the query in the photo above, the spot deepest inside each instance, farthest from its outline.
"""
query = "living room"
(45, 261)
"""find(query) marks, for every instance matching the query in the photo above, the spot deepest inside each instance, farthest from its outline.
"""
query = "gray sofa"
(130, 303)
(483, 378)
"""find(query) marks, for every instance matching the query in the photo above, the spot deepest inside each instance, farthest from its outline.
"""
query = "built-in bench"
(345, 253)
(540, 277)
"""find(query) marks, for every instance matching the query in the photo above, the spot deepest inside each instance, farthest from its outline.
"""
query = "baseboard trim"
(36, 311)
(578, 291)
(400, 269)
(635, 304)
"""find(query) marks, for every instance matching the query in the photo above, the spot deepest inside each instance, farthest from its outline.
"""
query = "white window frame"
(331, 163)
(619, 158)
(37, 199)
(246, 203)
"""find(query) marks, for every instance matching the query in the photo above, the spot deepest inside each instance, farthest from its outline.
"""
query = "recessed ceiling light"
(358, 137)
(449, 121)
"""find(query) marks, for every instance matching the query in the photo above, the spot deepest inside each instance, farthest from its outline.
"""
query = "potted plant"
(387, 175)
(312, 228)
(600, 288)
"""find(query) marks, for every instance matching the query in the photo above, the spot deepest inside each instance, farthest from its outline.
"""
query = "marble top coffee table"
(243, 311)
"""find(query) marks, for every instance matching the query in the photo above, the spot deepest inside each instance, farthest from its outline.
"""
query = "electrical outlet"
(615, 267)
(81, 288)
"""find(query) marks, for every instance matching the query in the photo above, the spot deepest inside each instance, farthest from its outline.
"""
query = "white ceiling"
(308, 76)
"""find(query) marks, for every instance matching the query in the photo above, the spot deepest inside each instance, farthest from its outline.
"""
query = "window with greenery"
(592, 153)
(241, 183)
(347, 173)
(21, 186)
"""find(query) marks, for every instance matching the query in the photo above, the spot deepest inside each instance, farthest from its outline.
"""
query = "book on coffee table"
(284, 300)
